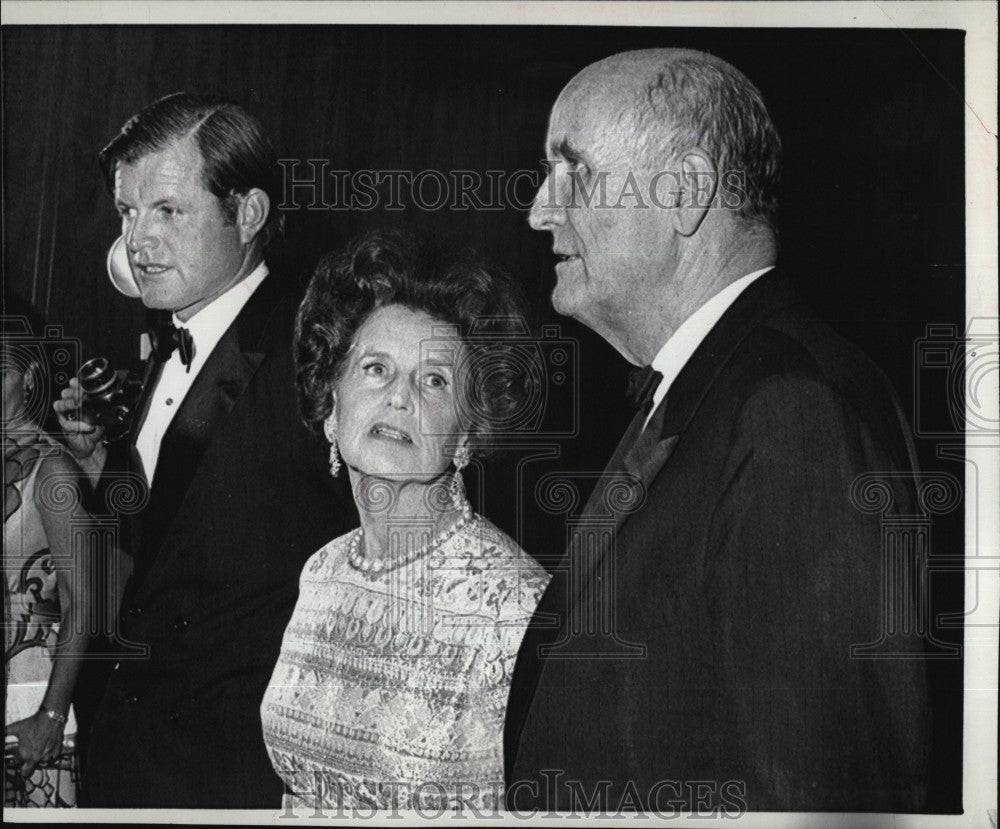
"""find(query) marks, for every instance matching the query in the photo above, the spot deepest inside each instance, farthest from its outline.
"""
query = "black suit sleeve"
(115, 466)
(802, 568)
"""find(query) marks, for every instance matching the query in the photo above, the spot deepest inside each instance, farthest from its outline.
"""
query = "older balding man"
(736, 582)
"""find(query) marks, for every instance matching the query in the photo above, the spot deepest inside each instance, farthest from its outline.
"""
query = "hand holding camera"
(93, 407)
(84, 439)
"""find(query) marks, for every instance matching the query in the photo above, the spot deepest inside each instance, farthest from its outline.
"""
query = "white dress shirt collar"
(206, 328)
(210, 323)
(692, 332)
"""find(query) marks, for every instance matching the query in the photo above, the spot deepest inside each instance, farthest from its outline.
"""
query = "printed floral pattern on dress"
(391, 692)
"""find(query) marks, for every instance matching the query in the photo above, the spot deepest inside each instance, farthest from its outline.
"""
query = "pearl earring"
(330, 431)
(456, 488)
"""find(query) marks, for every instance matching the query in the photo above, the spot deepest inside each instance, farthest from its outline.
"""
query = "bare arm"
(40, 736)
(75, 591)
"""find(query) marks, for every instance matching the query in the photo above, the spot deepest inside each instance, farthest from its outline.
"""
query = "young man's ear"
(251, 215)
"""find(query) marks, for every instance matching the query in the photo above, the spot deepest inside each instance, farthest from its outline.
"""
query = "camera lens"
(97, 377)
(102, 393)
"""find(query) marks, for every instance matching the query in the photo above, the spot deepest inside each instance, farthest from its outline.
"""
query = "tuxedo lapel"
(595, 503)
(764, 297)
(127, 443)
(642, 457)
(635, 461)
(154, 368)
(222, 380)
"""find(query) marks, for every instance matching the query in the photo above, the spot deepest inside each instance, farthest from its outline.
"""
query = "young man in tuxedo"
(739, 573)
(239, 496)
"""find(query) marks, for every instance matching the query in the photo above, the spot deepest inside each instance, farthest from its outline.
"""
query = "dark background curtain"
(872, 215)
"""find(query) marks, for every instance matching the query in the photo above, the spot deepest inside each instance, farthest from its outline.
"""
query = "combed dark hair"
(236, 154)
(390, 267)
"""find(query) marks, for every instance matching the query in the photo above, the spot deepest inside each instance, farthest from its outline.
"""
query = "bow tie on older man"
(642, 384)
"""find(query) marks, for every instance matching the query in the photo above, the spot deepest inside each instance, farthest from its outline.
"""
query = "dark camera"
(106, 398)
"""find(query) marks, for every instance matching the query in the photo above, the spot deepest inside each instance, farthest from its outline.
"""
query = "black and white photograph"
(501, 413)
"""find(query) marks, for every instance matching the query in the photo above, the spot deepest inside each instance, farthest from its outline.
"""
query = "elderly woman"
(391, 687)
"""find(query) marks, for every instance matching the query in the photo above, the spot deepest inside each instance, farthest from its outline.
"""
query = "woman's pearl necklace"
(374, 566)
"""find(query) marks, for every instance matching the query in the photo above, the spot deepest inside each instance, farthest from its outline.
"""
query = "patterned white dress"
(31, 626)
(391, 690)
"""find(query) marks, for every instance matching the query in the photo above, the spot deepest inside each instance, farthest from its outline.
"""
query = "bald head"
(663, 166)
(658, 104)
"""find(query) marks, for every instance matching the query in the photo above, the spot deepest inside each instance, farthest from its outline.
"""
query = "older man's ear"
(699, 183)
(253, 211)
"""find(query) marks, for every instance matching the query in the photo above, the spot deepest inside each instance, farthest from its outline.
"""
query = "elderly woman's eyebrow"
(368, 351)
(364, 349)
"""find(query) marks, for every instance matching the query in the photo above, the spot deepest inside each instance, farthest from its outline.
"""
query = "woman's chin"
(393, 472)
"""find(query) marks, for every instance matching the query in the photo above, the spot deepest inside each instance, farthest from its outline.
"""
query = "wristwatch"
(53, 715)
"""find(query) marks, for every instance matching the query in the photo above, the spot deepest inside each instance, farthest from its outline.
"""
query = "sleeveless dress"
(391, 690)
(31, 625)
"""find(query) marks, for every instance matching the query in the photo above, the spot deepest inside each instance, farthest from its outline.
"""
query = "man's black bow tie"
(642, 383)
(166, 337)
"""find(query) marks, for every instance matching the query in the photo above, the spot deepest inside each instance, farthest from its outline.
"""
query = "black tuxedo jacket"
(240, 499)
(714, 671)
